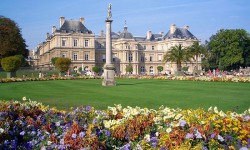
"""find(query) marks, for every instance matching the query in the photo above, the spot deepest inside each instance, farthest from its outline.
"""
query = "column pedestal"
(109, 75)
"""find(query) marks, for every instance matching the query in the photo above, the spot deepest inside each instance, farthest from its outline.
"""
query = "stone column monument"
(109, 72)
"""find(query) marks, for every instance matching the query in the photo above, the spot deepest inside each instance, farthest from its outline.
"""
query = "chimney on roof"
(149, 34)
(82, 20)
(47, 35)
(62, 20)
(102, 33)
(53, 29)
(172, 28)
(186, 27)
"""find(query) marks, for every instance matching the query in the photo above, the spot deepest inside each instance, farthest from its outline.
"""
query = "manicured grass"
(131, 92)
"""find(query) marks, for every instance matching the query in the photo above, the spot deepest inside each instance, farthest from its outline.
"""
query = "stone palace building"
(85, 49)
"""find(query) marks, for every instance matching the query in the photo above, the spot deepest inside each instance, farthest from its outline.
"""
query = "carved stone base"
(109, 77)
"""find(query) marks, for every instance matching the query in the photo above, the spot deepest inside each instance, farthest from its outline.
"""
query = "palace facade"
(85, 49)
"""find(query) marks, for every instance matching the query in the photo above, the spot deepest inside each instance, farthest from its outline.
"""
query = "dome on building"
(125, 34)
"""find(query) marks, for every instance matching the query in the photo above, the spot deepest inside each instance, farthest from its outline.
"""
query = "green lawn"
(130, 92)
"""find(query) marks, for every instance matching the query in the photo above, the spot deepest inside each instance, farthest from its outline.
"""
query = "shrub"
(11, 64)
(62, 64)
(96, 69)
(129, 68)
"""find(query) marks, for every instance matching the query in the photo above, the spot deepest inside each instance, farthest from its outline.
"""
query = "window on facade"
(63, 55)
(151, 69)
(63, 42)
(103, 57)
(142, 69)
(75, 56)
(75, 43)
(114, 56)
(153, 47)
(86, 43)
(130, 57)
(150, 58)
(86, 56)
(159, 57)
(144, 47)
(142, 58)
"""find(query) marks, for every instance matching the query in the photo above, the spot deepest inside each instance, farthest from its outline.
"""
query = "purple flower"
(22, 133)
(108, 133)
(198, 135)
(243, 148)
(247, 117)
(213, 135)
(73, 135)
(88, 108)
(81, 134)
(127, 146)
(182, 123)
(189, 136)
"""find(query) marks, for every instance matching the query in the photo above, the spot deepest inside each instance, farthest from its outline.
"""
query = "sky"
(204, 17)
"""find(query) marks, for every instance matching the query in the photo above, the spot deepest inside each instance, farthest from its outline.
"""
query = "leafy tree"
(159, 68)
(229, 49)
(197, 50)
(11, 40)
(53, 60)
(129, 68)
(178, 55)
(96, 69)
(11, 65)
(62, 64)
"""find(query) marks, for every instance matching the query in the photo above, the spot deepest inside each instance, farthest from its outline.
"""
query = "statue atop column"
(109, 12)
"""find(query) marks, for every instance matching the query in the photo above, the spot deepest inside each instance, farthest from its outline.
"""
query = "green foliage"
(197, 50)
(230, 49)
(11, 40)
(80, 69)
(24, 63)
(129, 68)
(96, 69)
(185, 68)
(62, 64)
(53, 60)
(159, 68)
(178, 55)
(11, 64)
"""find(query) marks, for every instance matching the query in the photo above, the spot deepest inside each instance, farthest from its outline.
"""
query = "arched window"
(75, 68)
(151, 70)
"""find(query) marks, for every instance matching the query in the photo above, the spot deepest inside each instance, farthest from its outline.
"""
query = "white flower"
(58, 123)
(106, 123)
(168, 130)
(147, 137)
(222, 114)
(157, 134)
(24, 98)
(216, 110)
(49, 143)
(1, 130)
(220, 138)
(210, 109)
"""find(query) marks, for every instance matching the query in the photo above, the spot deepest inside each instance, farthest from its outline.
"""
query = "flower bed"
(31, 125)
(184, 78)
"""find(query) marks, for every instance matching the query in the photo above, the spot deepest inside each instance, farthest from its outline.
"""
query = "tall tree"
(11, 40)
(178, 55)
(230, 49)
(197, 50)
